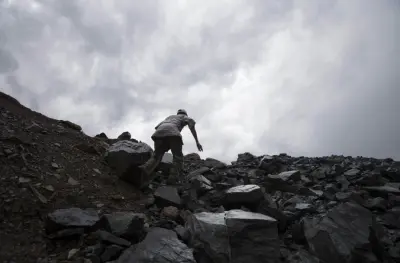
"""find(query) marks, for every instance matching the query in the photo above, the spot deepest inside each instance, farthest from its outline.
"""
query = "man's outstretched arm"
(194, 133)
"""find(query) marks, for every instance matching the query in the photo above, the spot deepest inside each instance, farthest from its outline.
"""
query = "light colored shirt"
(172, 126)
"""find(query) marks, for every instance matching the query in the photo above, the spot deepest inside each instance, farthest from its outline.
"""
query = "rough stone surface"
(252, 237)
(167, 196)
(244, 194)
(160, 246)
(124, 156)
(71, 218)
(346, 232)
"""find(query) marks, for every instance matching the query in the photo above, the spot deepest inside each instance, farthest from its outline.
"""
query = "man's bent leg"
(177, 167)
(160, 147)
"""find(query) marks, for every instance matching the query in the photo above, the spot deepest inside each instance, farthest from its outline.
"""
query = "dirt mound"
(47, 164)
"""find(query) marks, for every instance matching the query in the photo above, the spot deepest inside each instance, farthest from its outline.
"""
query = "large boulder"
(234, 236)
(160, 246)
(253, 237)
(125, 156)
(347, 233)
(208, 235)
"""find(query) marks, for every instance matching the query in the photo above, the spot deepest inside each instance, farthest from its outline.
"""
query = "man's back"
(173, 125)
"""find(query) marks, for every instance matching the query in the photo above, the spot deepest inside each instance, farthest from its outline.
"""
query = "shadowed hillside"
(69, 197)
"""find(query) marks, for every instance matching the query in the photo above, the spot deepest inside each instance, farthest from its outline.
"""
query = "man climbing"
(168, 137)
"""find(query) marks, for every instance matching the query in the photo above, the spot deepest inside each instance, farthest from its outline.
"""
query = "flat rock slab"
(160, 246)
(253, 237)
(71, 218)
(344, 232)
(242, 194)
(167, 196)
(127, 225)
(285, 176)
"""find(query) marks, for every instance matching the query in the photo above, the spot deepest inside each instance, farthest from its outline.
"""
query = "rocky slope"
(68, 197)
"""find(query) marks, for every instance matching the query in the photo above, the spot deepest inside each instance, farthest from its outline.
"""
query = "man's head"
(182, 111)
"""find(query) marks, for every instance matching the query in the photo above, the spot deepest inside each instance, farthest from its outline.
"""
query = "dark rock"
(181, 232)
(126, 156)
(68, 233)
(343, 183)
(84, 147)
(93, 258)
(253, 237)
(377, 203)
(394, 252)
(256, 173)
(201, 184)
(192, 157)
(391, 218)
(342, 234)
(127, 225)
(352, 174)
(167, 196)
(370, 179)
(213, 176)
(101, 135)
(70, 125)
(213, 163)
(285, 176)
(270, 164)
(320, 173)
(125, 136)
(382, 191)
(394, 200)
(170, 212)
(166, 163)
(165, 223)
(111, 252)
(159, 246)
(266, 208)
(244, 194)
(96, 250)
(245, 157)
(208, 235)
(343, 197)
(302, 256)
(198, 171)
(304, 207)
(109, 238)
(71, 218)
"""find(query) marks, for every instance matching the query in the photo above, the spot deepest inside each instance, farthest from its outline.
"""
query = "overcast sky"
(303, 77)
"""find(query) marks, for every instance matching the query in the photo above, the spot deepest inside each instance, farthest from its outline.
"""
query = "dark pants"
(161, 146)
